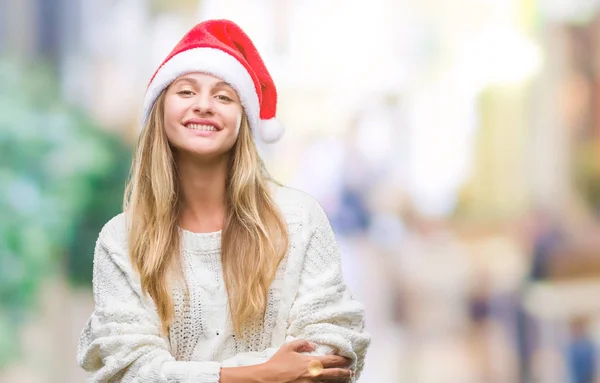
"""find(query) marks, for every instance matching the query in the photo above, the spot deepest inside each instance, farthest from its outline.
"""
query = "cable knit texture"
(307, 300)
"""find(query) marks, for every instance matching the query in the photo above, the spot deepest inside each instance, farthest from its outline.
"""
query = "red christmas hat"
(222, 49)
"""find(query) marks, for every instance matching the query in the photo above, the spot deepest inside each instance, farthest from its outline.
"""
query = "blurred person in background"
(215, 273)
(581, 353)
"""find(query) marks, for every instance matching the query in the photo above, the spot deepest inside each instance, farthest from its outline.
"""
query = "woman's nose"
(204, 104)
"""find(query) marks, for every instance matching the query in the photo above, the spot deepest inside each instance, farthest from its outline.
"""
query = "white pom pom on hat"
(222, 49)
(271, 130)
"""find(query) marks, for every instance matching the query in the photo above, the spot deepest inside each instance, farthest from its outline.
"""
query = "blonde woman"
(214, 273)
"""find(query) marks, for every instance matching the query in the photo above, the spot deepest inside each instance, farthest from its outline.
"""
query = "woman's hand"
(289, 365)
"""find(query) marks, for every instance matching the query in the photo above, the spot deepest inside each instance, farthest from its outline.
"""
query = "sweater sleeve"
(324, 311)
(121, 341)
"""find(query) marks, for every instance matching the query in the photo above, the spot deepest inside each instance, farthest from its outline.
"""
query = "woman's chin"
(207, 152)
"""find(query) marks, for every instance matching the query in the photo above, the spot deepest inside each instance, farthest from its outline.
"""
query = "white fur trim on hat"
(211, 61)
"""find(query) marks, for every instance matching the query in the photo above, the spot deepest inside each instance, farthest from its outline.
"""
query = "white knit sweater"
(307, 300)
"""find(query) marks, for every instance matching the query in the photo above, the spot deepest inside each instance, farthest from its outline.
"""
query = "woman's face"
(202, 115)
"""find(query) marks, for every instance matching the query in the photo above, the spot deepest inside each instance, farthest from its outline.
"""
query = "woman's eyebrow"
(219, 85)
(223, 84)
(192, 80)
(186, 79)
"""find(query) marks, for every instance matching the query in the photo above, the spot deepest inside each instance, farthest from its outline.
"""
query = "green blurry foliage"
(61, 179)
(587, 173)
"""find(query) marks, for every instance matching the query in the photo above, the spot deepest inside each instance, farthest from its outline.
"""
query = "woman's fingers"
(300, 345)
(339, 374)
(330, 361)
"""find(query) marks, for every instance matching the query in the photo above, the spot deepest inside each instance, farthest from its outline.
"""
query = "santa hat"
(222, 49)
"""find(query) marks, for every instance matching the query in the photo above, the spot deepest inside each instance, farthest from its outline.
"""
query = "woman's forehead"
(201, 78)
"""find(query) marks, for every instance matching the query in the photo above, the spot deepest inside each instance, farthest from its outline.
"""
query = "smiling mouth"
(208, 128)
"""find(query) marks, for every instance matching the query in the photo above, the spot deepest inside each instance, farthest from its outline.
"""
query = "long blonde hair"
(254, 235)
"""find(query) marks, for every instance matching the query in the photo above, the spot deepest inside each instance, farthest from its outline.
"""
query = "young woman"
(214, 273)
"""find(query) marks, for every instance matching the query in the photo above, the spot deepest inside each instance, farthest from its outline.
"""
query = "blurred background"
(455, 145)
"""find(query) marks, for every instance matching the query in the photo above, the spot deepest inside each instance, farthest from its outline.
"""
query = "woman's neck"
(202, 188)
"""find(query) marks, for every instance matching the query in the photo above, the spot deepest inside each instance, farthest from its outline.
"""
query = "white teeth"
(202, 127)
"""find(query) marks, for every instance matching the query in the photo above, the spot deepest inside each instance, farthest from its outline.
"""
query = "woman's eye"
(222, 97)
(185, 92)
